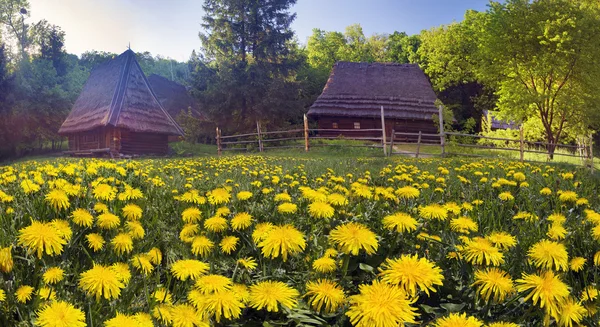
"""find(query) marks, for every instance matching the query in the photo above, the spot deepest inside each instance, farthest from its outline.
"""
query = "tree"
(402, 48)
(12, 16)
(248, 68)
(541, 56)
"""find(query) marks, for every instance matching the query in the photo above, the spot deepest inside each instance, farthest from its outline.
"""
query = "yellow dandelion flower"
(457, 319)
(142, 263)
(212, 283)
(104, 192)
(549, 255)
(46, 294)
(108, 221)
(502, 240)
(244, 195)
(556, 232)
(271, 294)
(132, 212)
(596, 232)
(433, 211)
(480, 251)
(526, 216)
(29, 186)
(202, 246)
(63, 228)
(506, 196)
(547, 289)
(567, 196)
(188, 268)
(2, 296)
(545, 191)
(215, 224)
(597, 259)
(222, 212)
(138, 320)
(53, 275)
(463, 225)
(6, 259)
(325, 294)
(282, 240)
(242, 292)
(122, 243)
(155, 255)
(381, 305)
(337, 199)
(191, 215)
(135, 230)
(282, 197)
(571, 313)
(502, 324)
(260, 231)
(287, 207)
(60, 314)
(592, 216)
(324, 265)
(352, 237)
(401, 222)
(82, 217)
(248, 263)
(40, 237)
(494, 284)
(229, 244)
(411, 273)
(188, 232)
(101, 207)
(407, 192)
(219, 196)
(95, 241)
(24, 293)
(577, 263)
(320, 210)
(58, 200)
(185, 315)
(241, 221)
(101, 281)
(221, 304)
(162, 296)
(122, 271)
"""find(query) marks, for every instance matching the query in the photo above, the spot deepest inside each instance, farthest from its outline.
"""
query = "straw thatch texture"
(118, 94)
(360, 89)
(174, 97)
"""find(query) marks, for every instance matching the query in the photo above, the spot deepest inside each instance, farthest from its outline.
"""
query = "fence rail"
(448, 142)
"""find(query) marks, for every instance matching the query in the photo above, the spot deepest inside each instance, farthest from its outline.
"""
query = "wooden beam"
(383, 142)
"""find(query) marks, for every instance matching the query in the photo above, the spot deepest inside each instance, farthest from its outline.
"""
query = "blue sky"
(170, 28)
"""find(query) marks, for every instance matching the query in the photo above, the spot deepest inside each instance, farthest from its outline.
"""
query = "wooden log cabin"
(118, 113)
(355, 92)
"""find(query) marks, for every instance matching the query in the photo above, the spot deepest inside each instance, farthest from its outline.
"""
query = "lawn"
(294, 238)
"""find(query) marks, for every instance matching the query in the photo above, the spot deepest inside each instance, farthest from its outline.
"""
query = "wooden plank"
(442, 137)
(383, 142)
(418, 145)
(305, 133)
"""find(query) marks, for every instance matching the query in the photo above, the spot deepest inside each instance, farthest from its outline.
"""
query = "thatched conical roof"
(174, 97)
(118, 94)
(360, 89)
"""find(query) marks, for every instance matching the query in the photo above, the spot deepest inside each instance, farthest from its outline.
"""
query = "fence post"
(392, 142)
(219, 149)
(384, 143)
(305, 133)
(521, 144)
(260, 145)
(591, 153)
(442, 135)
(418, 145)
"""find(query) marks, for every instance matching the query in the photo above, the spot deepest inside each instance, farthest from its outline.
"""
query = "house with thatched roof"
(355, 93)
(117, 112)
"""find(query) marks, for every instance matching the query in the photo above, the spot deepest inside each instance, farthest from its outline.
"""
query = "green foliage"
(540, 58)
(247, 70)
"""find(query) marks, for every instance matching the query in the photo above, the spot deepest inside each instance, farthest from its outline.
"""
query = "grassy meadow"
(307, 240)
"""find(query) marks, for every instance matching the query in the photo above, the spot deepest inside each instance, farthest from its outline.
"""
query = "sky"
(170, 27)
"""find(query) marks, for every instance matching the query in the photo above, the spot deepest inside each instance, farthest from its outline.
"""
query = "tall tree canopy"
(541, 57)
(247, 68)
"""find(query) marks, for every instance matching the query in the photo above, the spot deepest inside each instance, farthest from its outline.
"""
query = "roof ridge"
(117, 102)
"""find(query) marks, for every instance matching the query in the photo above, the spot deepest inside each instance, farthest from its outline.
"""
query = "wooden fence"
(449, 143)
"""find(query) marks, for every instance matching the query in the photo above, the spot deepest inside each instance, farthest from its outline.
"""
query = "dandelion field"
(277, 241)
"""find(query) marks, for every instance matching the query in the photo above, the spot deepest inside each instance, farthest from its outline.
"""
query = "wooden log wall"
(142, 143)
